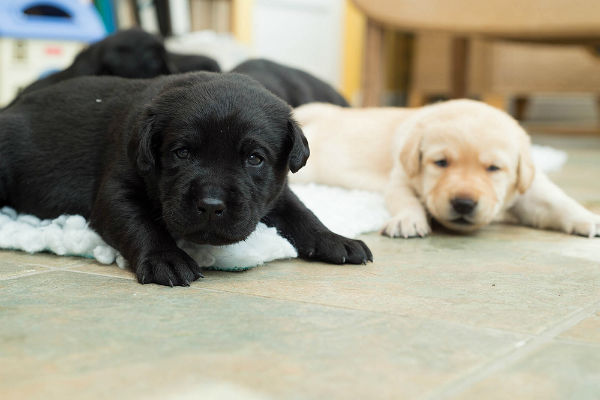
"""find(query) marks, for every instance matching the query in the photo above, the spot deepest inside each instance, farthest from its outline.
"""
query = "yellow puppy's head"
(466, 160)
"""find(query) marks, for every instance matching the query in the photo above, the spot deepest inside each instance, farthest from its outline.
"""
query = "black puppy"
(131, 53)
(294, 86)
(193, 62)
(200, 156)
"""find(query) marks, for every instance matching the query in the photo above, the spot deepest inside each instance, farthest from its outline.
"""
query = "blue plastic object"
(50, 19)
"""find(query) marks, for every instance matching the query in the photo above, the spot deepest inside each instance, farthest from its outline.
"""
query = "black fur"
(151, 161)
(193, 62)
(131, 53)
(294, 86)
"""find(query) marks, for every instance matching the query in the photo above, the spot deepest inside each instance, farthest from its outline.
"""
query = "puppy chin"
(458, 224)
(213, 239)
(220, 237)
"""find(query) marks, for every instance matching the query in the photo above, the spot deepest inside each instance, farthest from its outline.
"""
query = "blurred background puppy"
(462, 162)
(130, 53)
(292, 85)
(192, 62)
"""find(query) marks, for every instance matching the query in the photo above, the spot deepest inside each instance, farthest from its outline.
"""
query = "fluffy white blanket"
(346, 212)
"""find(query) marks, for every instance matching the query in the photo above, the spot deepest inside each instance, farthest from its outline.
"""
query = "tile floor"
(508, 313)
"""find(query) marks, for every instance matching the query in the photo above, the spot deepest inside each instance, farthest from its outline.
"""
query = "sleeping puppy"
(461, 162)
(131, 53)
(294, 86)
(192, 62)
(199, 156)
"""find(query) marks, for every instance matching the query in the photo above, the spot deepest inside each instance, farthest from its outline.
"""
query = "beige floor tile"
(555, 371)
(587, 330)
(107, 270)
(41, 259)
(65, 334)
(11, 271)
(487, 279)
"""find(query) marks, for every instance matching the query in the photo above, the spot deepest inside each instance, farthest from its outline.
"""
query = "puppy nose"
(463, 205)
(211, 206)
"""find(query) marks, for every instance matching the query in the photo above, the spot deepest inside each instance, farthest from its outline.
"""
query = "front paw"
(335, 249)
(409, 223)
(169, 268)
(586, 224)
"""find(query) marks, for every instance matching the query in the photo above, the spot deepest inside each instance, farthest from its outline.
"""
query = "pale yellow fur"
(393, 151)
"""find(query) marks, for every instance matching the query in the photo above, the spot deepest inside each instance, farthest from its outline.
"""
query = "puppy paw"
(335, 249)
(169, 268)
(585, 224)
(410, 223)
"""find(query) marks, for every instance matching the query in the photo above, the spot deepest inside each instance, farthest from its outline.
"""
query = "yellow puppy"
(462, 162)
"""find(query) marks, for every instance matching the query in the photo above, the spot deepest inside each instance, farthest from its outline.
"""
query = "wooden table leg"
(459, 67)
(372, 73)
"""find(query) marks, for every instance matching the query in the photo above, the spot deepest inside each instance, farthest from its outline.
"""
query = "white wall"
(306, 34)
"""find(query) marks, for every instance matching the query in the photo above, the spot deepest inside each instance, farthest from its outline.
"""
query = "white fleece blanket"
(346, 212)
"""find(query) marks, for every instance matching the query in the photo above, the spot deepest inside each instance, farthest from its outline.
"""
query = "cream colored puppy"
(463, 162)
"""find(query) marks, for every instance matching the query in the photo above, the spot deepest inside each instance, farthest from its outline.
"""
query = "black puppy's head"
(131, 53)
(217, 149)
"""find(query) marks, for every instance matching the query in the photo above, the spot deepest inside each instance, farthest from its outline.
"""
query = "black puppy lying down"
(130, 53)
(192, 62)
(293, 85)
(200, 156)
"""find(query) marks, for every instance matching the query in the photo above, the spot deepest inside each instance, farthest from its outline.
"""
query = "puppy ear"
(299, 152)
(525, 167)
(141, 145)
(410, 152)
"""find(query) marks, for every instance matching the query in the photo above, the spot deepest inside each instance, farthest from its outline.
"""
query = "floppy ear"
(141, 145)
(525, 167)
(299, 152)
(410, 152)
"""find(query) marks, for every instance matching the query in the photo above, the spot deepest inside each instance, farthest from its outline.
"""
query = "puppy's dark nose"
(211, 206)
(463, 205)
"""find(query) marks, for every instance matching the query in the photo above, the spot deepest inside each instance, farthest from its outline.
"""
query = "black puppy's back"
(52, 152)
(193, 62)
(293, 85)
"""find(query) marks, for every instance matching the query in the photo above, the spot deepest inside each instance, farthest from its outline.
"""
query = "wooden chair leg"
(521, 106)
(496, 100)
(459, 67)
(416, 98)
(372, 74)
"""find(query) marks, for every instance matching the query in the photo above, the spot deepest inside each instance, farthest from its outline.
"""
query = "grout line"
(62, 268)
(578, 342)
(9, 278)
(521, 349)
(98, 274)
(378, 312)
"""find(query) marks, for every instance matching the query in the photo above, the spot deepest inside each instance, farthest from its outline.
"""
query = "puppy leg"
(125, 220)
(310, 237)
(544, 205)
(409, 218)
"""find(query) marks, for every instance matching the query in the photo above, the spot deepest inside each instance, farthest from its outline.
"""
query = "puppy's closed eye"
(442, 163)
(493, 168)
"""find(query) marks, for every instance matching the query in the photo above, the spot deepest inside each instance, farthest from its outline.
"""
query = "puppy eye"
(493, 168)
(182, 153)
(255, 160)
(443, 163)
